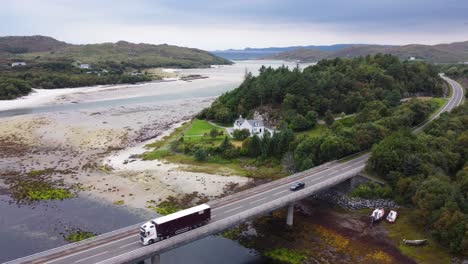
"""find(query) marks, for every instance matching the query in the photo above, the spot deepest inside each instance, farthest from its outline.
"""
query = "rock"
(354, 203)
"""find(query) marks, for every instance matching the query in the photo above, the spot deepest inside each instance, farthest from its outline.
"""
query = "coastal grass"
(39, 185)
(165, 141)
(285, 255)
(119, 202)
(407, 228)
(242, 166)
(79, 235)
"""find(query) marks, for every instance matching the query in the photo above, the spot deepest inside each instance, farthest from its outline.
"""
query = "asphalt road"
(222, 210)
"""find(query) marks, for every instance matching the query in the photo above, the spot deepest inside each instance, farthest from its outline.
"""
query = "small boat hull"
(392, 216)
(418, 242)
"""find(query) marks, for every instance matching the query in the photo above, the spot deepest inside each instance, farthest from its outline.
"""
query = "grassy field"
(200, 131)
(193, 132)
(406, 228)
(317, 131)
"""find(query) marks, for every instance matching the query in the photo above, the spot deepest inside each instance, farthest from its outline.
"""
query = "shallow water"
(30, 229)
(221, 80)
(27, 230)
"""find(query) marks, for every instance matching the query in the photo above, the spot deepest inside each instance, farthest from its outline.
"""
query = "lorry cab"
(170, 225)
(148, 233)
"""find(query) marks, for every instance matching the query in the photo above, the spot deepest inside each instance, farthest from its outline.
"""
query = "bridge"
(122, 246)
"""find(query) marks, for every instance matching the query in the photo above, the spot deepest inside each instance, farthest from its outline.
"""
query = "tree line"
(19, 82)
(329, 87)
(430, 172)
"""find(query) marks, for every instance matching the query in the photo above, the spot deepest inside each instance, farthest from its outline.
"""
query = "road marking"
(356, 163)
(83, 251)
(280, 192)
(91, 256)
(346, 167)
(256, 201)
(129, 244)
(233, 209)
(285, 184)
(213, 216)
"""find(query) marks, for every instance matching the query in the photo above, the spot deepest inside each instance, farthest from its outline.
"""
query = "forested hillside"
(20, 80)
(40, 49)
(331, 86)
(430, 172)
(369, 87)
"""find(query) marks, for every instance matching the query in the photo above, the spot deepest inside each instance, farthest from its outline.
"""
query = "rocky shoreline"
(338, 198)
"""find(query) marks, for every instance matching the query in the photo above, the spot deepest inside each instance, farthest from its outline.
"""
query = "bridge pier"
(290, 217)
(156, 259)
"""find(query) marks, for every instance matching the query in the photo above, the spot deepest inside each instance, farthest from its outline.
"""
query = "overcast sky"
(222, 24)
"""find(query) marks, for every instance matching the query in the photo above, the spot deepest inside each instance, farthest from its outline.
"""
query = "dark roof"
(255, 123)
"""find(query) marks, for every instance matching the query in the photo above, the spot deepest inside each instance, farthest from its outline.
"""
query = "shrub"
(241, 134)
(200, 155)
(372, 190)
(214, 133)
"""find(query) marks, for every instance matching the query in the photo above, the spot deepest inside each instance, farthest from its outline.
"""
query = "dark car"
(297, 186)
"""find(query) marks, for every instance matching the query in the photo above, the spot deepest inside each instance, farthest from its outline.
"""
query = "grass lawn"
(348, 121)
(200, 128)
(164, 143)
(193, 132)
(406, 228)
(317, 131)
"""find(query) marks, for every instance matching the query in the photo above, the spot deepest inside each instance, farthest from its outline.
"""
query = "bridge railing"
(267, 185)
(75, 245)
(219, 226)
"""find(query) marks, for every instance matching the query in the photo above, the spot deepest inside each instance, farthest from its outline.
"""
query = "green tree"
(200, 155)
(255, 146)
(214, 132)
(329, 119)
(241, 134)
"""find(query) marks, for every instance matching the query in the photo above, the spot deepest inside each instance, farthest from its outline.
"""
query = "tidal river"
(74, 130)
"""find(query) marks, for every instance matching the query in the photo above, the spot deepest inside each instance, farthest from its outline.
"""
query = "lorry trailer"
(170, 225)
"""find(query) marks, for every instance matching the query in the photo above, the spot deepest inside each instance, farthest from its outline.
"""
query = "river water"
(26, 230)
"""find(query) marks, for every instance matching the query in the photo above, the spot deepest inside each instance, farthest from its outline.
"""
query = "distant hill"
(441, 53)
(44, 49)
(257, 53)
(20, 44)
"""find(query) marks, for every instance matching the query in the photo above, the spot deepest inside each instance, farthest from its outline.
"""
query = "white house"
(19, 63)
(255, 126)
(84, 66)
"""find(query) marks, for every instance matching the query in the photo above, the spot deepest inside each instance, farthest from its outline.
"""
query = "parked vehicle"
(297, 186)
(418, 242)
(173, 224)
(377, 215)
(392, 216)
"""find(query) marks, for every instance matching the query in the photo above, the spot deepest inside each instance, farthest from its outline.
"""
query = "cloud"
(211, 24)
